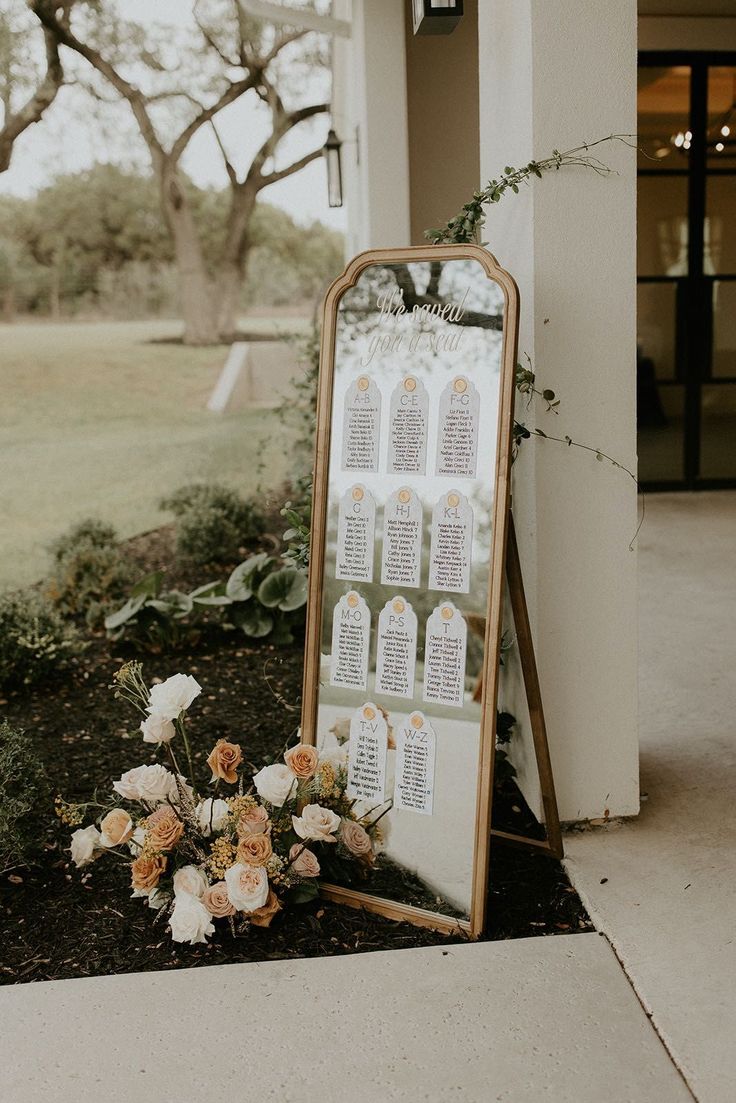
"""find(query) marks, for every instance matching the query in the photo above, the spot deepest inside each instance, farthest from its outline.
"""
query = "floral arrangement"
(238, 855)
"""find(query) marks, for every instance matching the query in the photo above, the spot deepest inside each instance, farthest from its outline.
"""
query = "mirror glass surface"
(414, 427)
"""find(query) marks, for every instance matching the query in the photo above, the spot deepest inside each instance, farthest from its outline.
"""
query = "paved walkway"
(663, 887)
(534, 1019)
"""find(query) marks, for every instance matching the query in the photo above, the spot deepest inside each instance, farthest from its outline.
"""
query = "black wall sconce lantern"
(436, 16)
(333, 159)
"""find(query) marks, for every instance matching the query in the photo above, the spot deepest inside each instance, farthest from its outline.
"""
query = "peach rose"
(262, 916)
(164, 828)
(116, 828)
(146, 872)
(254, 821)
(302, 760)
(303, 861)
(224, 760)
(254, 850)
(357, 840)
(217, 901)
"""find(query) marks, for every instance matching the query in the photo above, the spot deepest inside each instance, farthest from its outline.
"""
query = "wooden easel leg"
(553, 844)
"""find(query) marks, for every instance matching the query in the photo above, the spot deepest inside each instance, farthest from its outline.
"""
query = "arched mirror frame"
(310, 700)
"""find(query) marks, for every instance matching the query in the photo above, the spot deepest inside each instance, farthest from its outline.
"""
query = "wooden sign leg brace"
(552, 845)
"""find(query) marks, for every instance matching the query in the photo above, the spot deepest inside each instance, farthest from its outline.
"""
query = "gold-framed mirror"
(411, 494)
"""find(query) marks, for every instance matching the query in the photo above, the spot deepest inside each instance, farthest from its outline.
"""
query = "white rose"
(156, 898)
(341, 729)
(157, 729)
(211, 815)
(149, 783)
(247, 887)
(274, 783)
(85, 840)
(170, 698)
(336, 756)
(190, 921)
(316, 823)
(136, 841)
(190, 879)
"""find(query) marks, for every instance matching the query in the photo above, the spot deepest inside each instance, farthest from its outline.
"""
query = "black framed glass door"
(686, 361)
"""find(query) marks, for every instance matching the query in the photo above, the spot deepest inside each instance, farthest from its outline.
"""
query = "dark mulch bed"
(57, 922)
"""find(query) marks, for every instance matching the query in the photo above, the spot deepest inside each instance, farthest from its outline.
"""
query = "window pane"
(718, 431)
(720, 226)
(721, 117)
(724, 330)
(660, 399)
(664, 112)
(662, 226)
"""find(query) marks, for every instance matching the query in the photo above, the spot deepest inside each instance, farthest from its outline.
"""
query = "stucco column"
(554, 73)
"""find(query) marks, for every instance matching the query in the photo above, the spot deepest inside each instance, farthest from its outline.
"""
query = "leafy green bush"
(212, 522)
(34, 639)
(262, 597)
(89, 574)
(23, 791)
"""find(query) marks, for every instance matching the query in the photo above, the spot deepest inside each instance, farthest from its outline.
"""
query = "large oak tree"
(173, 92)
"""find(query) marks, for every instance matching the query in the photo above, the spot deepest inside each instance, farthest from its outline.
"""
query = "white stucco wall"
(552, 74)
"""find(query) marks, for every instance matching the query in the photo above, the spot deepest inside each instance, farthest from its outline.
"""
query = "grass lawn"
(96, 420)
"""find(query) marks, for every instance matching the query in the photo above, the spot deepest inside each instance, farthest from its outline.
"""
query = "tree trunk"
(8, 312)
(198, 301)
(229, 286)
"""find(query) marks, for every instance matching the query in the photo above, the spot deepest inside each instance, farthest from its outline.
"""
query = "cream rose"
(217, 901)
(224, 759)
(274, 783)
(190, 921)
(247, 887)
(254, 850)
(254, 821)
(169, 699)
(116, 828)
(302, 760)
(156, 729)
(190, 879)
(356, 839)
(211, 815)
(85, 840)
(316, 823)
(303, 861)
(151, 784)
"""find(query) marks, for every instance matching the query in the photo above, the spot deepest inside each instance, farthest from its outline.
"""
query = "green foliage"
(89, 574)
(35, 641)
(262, 597)
(212, 522)
(23, 791)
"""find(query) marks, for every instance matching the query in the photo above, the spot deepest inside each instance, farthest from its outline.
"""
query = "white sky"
(70, 138)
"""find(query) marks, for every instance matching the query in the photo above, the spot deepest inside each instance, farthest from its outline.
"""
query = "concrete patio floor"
(537, 1018)
(663, 887)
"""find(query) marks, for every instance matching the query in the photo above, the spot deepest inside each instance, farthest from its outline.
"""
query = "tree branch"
(233, 92)
(296, 166)
(32, 110)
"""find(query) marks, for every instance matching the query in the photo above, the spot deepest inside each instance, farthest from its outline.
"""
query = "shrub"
(89, 576)
(212, 522)
(34, 639)
(23, 790)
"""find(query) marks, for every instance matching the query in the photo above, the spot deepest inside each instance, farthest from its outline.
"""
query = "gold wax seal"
(364, 383)
(353, 600)
(404, 495)
(416, 720)
(446, 612)
(398, 605)
(460, 385)
(368, 712)
(357, 493)
(410, 384)
(453, 500)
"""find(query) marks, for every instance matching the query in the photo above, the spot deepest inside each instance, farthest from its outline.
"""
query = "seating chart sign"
(413, 449)
(415, 751)
(356, 533)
